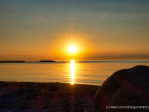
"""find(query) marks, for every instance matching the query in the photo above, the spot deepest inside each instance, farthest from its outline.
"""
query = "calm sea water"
(77, 72)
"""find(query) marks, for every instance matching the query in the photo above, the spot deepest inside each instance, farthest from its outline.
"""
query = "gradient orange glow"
(59, 49)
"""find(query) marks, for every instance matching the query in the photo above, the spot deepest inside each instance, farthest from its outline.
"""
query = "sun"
(72, 49)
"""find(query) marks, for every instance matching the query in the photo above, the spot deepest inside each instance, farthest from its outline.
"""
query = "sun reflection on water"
(72, 71)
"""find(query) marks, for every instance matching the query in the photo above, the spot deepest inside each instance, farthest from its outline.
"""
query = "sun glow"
(72, 49)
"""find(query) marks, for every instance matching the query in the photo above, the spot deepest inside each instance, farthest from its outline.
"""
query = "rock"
(5, 110)
(127, 87)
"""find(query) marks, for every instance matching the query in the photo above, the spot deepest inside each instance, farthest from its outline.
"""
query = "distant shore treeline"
(26, 61)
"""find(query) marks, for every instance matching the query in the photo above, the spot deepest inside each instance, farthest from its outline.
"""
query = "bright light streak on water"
(72, 71)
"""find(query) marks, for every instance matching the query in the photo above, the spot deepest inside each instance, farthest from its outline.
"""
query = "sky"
(100, 29)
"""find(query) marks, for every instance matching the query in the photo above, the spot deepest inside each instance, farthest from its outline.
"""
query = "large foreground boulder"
(126, 90)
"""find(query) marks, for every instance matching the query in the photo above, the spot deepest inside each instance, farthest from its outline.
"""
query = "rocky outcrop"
(126, 90)
(46, 97)
(4, 110)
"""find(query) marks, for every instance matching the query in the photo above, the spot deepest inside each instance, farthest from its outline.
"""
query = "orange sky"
(100, 30)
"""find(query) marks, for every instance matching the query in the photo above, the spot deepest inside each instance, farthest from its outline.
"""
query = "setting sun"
(72, 49)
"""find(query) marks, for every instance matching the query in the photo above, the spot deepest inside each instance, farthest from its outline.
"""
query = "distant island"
(12, 61)
(26, 61)
(47, 61)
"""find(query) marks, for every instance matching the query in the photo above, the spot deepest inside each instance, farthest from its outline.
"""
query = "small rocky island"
(12, 61)
(47, 61)
(27, 61)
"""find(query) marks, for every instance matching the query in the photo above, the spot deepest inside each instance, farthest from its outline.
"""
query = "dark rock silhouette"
(127, 87)
(46, 97)
(5, 110)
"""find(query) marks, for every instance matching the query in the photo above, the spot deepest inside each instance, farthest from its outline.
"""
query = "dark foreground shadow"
(126, 90)
(46, 97)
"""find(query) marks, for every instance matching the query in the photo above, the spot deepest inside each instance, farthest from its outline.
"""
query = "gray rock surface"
(127, 87)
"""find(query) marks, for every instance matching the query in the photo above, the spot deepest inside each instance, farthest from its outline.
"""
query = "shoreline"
(47, 96)
(13, 81)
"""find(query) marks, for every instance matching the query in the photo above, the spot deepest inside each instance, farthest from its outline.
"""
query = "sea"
(73, 72)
